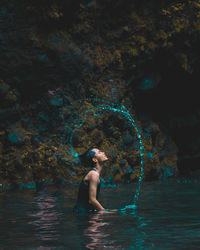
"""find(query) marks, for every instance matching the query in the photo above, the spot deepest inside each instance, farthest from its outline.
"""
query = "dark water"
(167, 217)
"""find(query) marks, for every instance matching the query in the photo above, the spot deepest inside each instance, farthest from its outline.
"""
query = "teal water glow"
(124, 113)
(167, 217)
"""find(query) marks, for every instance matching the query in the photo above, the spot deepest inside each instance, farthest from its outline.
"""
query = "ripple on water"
(166, 217)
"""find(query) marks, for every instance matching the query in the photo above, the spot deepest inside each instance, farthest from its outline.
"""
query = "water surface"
(167, 217)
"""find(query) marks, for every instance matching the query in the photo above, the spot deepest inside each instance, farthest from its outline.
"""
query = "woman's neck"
(98, 168)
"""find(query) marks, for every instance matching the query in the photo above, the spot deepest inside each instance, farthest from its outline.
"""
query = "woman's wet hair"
(86, 158)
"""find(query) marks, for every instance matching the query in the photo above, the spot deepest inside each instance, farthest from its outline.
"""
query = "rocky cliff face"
(57, 59)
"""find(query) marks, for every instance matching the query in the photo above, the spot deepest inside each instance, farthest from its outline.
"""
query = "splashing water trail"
(122, 110)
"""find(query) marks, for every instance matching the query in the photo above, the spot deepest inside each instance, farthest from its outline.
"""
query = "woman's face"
(99, 155)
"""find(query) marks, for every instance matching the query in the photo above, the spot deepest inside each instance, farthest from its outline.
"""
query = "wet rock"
(149, 82)
(112, 153)
(166, 171)
(35, 140)
(115, 169)
(116, 134)
(77, 137)
(58, 102)
(127, 170)
(122, 162)
(117, 177)
(150, 155)
(12, 96)
(127, 138)
(44, 117)
(17, 135)
(97, 135)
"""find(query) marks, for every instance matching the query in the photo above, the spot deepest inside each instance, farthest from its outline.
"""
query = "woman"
(89, 187)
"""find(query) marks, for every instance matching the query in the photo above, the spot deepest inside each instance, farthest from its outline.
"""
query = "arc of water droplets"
(125, 112)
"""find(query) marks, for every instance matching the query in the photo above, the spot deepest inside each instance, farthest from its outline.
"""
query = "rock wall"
(43, 142)
(57, 58)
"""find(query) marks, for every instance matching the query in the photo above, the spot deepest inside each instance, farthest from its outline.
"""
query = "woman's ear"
(94, 159)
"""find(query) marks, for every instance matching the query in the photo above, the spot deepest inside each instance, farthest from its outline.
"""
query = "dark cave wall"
(174, 103)
(142, 56)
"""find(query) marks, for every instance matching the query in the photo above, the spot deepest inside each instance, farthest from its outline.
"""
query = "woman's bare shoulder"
(93, 175)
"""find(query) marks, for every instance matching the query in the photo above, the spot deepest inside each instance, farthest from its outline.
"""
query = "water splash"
(99, 108)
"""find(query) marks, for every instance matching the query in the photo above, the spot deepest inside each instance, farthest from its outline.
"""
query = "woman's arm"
(93, 182)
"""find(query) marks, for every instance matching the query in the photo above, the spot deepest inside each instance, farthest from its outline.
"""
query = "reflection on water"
(44, 217)
(93, 232)
(166, 217)
(101, 233)
(135, 229)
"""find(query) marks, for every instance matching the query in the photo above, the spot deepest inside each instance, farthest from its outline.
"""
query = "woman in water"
(89, 187)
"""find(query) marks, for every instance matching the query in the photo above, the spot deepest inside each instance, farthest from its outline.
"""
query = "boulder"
(17, 135)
